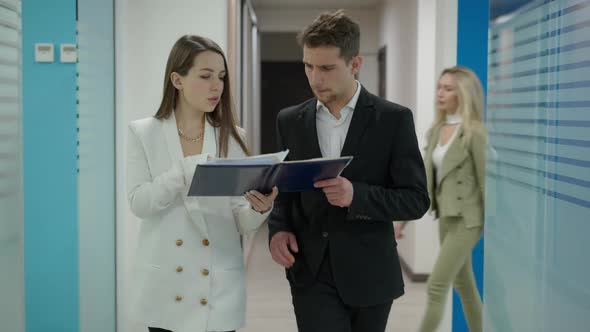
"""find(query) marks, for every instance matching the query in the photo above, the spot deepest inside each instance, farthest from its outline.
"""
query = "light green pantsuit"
(453, 267)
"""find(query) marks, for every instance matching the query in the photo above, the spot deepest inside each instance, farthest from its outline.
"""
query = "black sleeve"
(279, 219)
(407, 197)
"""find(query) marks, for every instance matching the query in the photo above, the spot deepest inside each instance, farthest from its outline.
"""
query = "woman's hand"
(399, 230)
(259, 202)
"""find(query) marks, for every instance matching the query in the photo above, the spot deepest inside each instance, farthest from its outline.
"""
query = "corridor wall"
(11, 186)
(50, 170)
(68, 167)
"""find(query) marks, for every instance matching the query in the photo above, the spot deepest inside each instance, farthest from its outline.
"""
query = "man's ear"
(176, 80)
(356, 62)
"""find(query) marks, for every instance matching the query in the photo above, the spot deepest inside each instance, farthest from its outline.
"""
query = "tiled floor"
(269, 300)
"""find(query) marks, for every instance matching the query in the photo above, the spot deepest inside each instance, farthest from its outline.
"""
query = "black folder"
(288, 176)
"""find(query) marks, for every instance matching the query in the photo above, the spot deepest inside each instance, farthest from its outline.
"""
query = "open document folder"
(234, 177)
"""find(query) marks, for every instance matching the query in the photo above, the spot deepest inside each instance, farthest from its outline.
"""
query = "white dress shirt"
(332, 131)
(439, 152)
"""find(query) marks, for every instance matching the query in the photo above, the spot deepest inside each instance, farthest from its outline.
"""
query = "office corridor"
(269, 299)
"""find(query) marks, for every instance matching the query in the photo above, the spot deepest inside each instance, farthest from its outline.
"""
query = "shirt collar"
(351, 104)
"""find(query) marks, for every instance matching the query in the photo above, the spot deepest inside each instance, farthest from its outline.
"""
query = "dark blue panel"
(503, 7)
(472, 51)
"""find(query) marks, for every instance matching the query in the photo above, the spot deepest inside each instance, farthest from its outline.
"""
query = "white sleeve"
(148, 196)
(247, 219)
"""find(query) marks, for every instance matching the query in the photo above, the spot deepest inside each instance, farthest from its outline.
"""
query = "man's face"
(328, 74)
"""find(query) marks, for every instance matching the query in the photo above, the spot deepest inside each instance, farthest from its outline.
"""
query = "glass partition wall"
(538, 184)
(11, 185)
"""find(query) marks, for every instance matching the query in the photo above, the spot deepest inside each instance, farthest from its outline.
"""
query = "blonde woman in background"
(455, 168)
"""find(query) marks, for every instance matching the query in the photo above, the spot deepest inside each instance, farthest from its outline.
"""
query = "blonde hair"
(469, 99)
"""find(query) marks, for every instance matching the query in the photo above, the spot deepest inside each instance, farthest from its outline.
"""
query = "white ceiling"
(316, 4)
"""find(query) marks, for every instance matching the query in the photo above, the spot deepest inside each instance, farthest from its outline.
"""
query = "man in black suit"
(337, 242)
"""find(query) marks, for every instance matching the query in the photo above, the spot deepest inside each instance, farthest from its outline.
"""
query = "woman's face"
(446, 94)
(203, 85)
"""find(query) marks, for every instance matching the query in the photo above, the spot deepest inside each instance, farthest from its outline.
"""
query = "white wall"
(295, 20)
(399, 33)
(145, 33)
(421, 39)
(446, 34)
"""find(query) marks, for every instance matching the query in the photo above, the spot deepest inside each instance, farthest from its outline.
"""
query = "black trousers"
(155, 329)
(319, 308)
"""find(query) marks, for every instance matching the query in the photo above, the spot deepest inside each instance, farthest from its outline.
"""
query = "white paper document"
(263, 159)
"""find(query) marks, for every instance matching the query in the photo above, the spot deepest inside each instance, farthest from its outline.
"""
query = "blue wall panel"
(49, 158)
(472, 46)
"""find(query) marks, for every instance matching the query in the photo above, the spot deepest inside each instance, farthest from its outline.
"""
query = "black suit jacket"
(389, 182)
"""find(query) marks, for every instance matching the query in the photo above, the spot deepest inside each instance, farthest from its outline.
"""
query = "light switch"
(68, 53)
(43, 52)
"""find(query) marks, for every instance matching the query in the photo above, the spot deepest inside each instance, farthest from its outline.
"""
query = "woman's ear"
(176, 80)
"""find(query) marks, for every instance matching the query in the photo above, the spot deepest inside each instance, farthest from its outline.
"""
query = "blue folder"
(288, 176)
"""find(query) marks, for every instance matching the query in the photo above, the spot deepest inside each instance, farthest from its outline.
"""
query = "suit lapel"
(311, 144)
(310, 148)
(430, 174)
(210, 140)
(454, 156)
(191, 204)
(360, 119)
(172, 139)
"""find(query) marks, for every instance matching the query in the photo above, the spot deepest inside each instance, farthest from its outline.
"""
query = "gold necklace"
(188, 138)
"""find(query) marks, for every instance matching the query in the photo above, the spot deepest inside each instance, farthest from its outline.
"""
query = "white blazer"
(189, 265)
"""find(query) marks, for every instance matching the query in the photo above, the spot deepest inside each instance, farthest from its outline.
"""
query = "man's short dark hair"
(333, 29)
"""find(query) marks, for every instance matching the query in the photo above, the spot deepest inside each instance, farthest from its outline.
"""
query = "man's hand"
(279, 248)
(339, 191)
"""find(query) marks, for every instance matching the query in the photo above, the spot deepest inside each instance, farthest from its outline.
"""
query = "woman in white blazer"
(189, 264)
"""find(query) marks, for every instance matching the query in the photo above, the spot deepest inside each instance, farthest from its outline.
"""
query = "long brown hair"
(181, 60)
